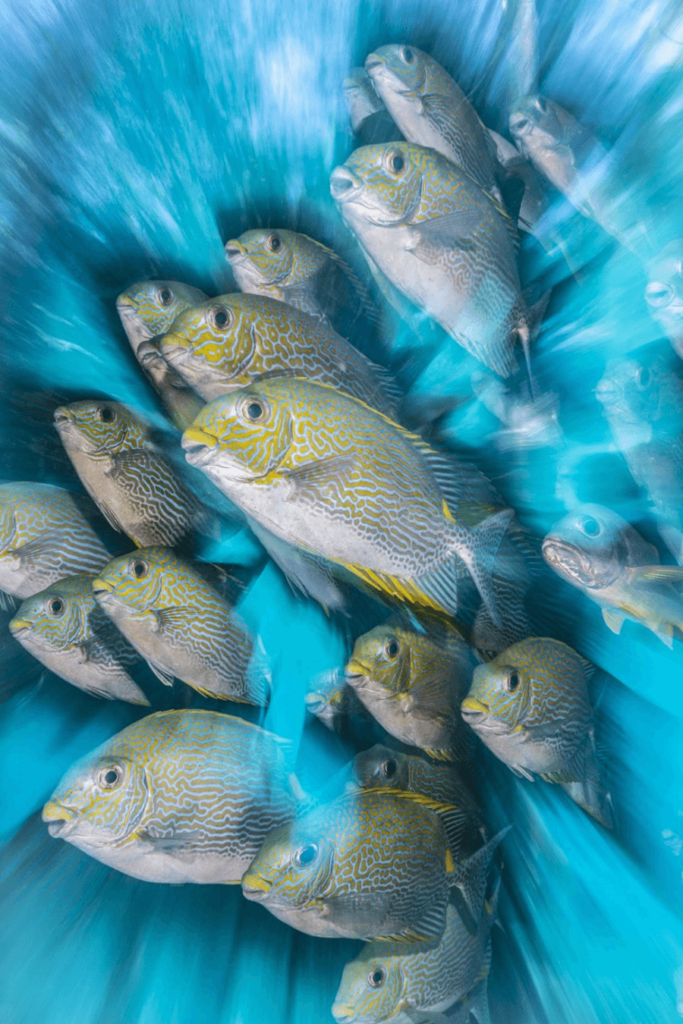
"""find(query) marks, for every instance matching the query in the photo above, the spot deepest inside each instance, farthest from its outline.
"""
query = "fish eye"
(305, 855)
(389, 768)
(274, 242)
(376, 977)
(643, 376)
(407, 55)
(164, 296)
(392, 647)
(109, 778)
(55, 606)
(512, 681)
(254, 410)
(106, 414)
(396, 162)
(658, 294)
(220, 318)
(590, 526)
(139, 568)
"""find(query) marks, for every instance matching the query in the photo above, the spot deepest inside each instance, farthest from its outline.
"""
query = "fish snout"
(197, 445)
(520, 124)
(355, 672)
(343, 184)
(234, 250)
(172, 344)
(57, 816)
(343, 1013)
(101, 588)
(62, 416)
(374, 62)
(254, 887)
(125, 303)
(18, 627)
(473, 710)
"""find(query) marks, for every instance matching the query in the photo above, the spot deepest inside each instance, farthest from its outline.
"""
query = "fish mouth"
(173, 345)
(374, 62)
(101, 588)
(149, 351)
(356, 673)
(19, 627)
(568, 561)
(198, 446)
(344, 184)
(126, 305)
(254, 887)
(58, 817)
(474, 711)
(63, 417)
(343, 1014)
(520, 124)
(234, 250)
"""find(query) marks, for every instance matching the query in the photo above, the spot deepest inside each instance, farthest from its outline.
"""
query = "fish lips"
(568, 560)
(344, 185)
(255, 888)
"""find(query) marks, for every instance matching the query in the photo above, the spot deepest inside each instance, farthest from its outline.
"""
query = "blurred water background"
(136, 138)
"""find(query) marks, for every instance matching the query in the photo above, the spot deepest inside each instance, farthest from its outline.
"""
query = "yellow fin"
(439, 755)
(450, 863)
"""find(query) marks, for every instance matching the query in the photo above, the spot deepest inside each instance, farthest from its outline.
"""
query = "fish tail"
(479, 553)
(588, 792)
(530, 319)
(469, 876)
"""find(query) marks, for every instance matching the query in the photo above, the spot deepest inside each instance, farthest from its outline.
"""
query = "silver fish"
(370, 119)
(178, 796)
(664, 292)
(44, 537)
(147, 309)
(179, 624)
(440, 240)
(602, 555)
(63, 627)
(643, 404)
(134, 486)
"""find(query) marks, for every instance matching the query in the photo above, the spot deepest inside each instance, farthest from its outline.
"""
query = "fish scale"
(79, 643)
(180, 624)
(266, 337)
(43, 537)
(133, 485)
(201, 792)
(321, 459)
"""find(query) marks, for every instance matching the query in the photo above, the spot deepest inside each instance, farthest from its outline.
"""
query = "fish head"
(214, 341)
(149, 308)
(57, 617)
(664, 291)
(638, 393)
(371, 989)
(534, 123)
(402, 70)
(292, 866)
(145, 580)
(242, 436)
(381, 185)
(590, 546)
(262, 257)
(100, 427)
(102, 798)
(380, 767)
(327, 696)
(381, 661)
(500, 694)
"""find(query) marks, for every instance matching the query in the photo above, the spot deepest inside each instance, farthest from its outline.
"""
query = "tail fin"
(469, 875)
(589, 793)
(478, 552)
(528, 328)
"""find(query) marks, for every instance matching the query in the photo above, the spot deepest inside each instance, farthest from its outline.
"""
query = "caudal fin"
(528, 328)
(478, 551)
(469, 876)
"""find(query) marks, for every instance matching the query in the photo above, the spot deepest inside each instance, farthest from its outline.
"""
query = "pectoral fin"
(318, 476)
(614, 620)
(110, 516)
(163, 674)
(430, 238)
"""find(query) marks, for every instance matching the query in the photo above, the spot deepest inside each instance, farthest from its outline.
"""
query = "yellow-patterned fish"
(182, 627)
(444, 243)
(301, 272)
(63, 627)
(178, 796)
(338, 481)
(44, 537)
(134, 486)
(148, 309)
(530, 707)
(368, 865)
(413, 683)
(229, 342)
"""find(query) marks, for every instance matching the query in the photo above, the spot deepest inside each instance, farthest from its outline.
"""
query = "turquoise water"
(136, 139)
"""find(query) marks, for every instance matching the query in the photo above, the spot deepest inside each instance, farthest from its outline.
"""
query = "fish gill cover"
(138, 139)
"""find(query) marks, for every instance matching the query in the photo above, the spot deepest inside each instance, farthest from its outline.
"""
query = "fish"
(449, 248)
(180, 624)
(385, 980)
(63, 627)
(664, 292)
(413, 683)
(642, 401)
(530, 707)
(573, 160)
(370, 119)
(380, 767)
(147, 309)
(431, 110)
(133, 485)
(44, 536)
(601, 554)
(527, 421)
(297, 270)
(178, 796)
(340, 482)
(234, 340)
(335, 703)
(367, 865)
